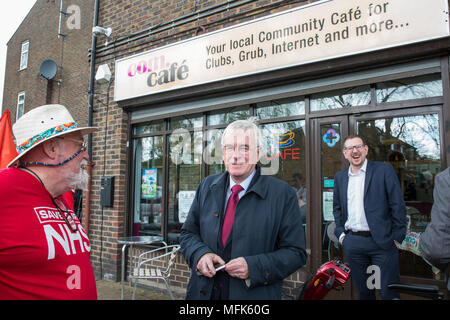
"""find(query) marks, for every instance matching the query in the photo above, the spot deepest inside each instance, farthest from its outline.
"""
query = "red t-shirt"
(40, 257)
(68, 199)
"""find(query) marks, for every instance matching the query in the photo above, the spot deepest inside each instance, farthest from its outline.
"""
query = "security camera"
(100, 30)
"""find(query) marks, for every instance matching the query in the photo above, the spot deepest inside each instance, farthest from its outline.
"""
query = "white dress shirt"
(356, 216)
(244, 184)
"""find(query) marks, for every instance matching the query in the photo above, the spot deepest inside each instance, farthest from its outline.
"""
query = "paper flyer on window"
(185, 199)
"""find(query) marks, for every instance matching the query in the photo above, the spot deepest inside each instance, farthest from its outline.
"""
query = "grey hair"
(248, 124)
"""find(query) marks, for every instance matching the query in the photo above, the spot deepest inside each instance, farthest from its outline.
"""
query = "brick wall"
(40, 28)
(126, 17)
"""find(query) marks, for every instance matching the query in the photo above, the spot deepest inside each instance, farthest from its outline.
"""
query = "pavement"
(109, 290)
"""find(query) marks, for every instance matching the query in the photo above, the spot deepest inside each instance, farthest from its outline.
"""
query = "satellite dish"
(48, 69)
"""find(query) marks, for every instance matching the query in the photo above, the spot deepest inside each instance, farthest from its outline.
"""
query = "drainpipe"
(90, 116)
(60, 18)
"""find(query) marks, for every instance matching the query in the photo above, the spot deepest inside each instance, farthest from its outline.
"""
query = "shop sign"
(318, 31)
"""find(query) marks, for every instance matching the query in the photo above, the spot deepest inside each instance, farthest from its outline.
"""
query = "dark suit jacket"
(267, 232)
(435, 241)
(383, 203)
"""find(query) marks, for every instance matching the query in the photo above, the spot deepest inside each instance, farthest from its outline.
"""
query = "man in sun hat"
(44, 250)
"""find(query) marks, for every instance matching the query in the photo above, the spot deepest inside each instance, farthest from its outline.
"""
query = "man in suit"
(435, 241)
(370, 216)
(266, 242)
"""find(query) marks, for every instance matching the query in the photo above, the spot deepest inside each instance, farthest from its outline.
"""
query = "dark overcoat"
(267, 232)
(435, 241)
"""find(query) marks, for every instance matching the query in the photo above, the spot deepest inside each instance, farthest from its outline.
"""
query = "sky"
(12, 13)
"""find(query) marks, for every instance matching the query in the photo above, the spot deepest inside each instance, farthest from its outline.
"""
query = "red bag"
(330, 275)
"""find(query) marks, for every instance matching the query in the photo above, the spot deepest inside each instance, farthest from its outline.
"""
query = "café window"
(224, 117)
(284, 158)
(280, 109)
(341, 99)
(411, 144)
(425, 86)
(173, 155)
(213, 151)
(149, 128)
(185, 170)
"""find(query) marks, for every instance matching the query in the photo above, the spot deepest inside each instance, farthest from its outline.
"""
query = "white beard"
(81, 180)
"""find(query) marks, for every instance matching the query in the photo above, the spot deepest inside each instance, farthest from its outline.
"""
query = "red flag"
(7, 148)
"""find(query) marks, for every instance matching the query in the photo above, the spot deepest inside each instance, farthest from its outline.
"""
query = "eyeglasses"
(358, 147)
(65, 214)
(242, 149)
(81, 143)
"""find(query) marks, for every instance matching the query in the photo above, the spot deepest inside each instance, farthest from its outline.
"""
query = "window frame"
(20, 104)
(24, 55)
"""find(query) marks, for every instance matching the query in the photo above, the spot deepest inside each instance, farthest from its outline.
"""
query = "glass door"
(408, 139)
(327, 153)
(411, 142)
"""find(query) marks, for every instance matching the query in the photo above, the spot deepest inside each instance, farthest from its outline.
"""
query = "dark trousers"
(370, 263)
(221, 287)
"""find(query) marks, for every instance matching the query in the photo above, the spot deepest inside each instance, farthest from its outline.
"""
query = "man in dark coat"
(370, 217)
(435, 241)
(266, 243)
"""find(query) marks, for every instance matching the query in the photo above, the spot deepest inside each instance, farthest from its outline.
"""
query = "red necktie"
(229, 213)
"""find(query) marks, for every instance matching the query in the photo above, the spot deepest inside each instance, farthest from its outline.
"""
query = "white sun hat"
(41, 124)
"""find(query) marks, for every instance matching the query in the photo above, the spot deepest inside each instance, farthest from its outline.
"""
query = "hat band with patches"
(45, 135)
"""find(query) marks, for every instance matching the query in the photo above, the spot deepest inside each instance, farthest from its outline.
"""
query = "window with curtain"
(24, 55)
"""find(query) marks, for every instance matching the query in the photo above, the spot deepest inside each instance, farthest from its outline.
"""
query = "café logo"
(282, 147)
(158, 71)
(286, 139)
